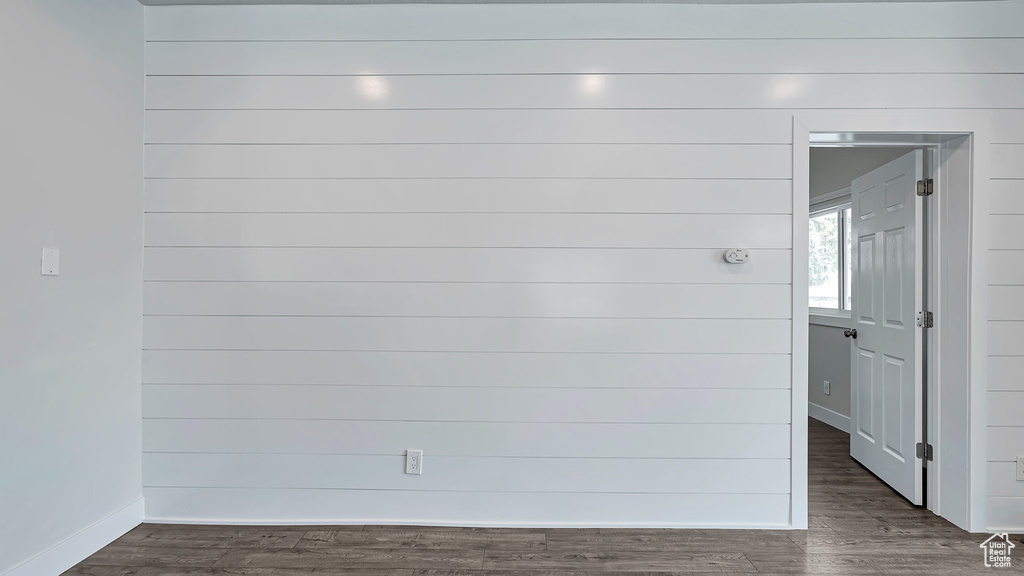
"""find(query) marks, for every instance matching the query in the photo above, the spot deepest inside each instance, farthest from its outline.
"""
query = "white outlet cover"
(1020, 468)
(50, 265)
(414, 461)
(828, 388)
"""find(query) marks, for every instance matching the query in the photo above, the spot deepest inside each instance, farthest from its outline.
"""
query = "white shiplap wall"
(494, 233)
(1006, 344)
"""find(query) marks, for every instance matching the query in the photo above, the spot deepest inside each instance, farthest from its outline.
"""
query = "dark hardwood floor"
(858, 525)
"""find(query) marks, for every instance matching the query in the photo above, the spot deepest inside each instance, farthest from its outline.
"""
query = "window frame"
(836, 203)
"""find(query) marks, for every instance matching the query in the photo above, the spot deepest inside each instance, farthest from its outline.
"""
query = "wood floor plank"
(249, 571)
(913, 546)
(619, 561)
(118, 554)
(265, 538)
(351, 558)
(677, 541)
(889, 562)
(565, 573)
(82, 570)
(426, 538)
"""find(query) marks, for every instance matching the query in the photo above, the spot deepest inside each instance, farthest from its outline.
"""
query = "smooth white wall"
(829, 359)
(494, 233)
(70, 176)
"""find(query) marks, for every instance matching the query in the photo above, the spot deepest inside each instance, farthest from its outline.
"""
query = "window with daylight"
(829, 259)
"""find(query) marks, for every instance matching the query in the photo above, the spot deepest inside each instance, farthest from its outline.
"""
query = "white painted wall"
(1006, 353)
(829, 359)
(70, 175)
(493, 233)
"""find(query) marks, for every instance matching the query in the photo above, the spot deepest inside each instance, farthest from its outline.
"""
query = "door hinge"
(924, 451)
(925, 319)
(925, 187)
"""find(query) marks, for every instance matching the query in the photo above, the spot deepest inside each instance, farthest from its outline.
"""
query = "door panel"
(864, 392)
(893, 314)
(887, 266)
(864, 265)
(892, 423)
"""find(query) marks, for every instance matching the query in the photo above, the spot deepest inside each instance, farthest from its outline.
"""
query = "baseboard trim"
(830, 417)
(450, 524)
(79, 546)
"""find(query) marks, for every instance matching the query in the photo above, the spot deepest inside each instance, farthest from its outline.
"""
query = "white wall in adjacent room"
(70, 345)
(829, 359)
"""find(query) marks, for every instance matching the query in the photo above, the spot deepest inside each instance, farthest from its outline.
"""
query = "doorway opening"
(889, 288)
(867, 284)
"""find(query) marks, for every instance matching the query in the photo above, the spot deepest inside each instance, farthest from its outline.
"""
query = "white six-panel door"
(886, 408)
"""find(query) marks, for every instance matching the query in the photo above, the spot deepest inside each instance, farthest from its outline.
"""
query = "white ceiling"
(240, 2)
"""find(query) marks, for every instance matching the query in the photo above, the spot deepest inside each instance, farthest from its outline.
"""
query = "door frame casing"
(976, 127)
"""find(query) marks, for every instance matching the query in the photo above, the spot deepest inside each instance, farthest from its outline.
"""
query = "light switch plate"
(1020, 468)
(50, 262)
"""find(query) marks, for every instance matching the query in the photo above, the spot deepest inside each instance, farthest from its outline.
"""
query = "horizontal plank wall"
(1006, 352)
(494, 233)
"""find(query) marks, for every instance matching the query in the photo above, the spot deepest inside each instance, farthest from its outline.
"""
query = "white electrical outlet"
(414, 461)
(828, 388)
(1020, 468)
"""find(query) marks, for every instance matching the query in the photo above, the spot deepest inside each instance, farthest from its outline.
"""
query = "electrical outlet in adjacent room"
(414, 461)
(828, 388)
(1020, 468)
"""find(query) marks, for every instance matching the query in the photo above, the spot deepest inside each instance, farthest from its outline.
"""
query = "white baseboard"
(830, 417)
(449, 524)
(81, 545)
